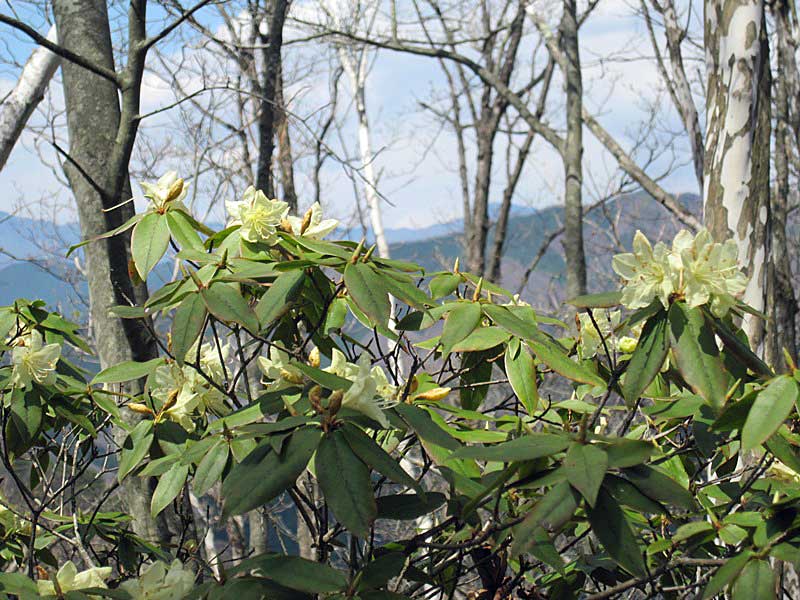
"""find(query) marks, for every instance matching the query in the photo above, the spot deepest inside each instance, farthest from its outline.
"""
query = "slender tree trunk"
(93, 119)
(573, 155)
(737, 150)
(285, 158)
(479, 221)
(20, 103)
(268, 112)
(781, 302)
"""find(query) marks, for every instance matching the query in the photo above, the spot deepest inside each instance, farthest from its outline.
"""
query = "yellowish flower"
(169, 189)
(211, 363)
(70, 580)
(279, 369)
(590, 341)
(258, 217)
(174, 395)
(161, 582)
(646, 273)
(371, 392)
(34, 361)
(315, 226)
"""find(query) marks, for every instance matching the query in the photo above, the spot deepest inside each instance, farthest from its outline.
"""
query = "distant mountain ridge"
(434, 247)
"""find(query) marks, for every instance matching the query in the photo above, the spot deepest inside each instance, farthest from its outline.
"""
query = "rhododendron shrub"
(435, 436)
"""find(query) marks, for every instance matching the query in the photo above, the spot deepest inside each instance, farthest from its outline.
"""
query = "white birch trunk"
(20, 103)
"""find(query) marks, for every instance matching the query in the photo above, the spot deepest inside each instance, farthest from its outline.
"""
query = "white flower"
(34, 361)
(177, 400)
(161, 582)
(279, 370)
(696, 269)
(69, 579)
(370, 392)
(590, 341)
(257, 216)
(646, 273)
(169, 189)
(210, 397)
(315, 227)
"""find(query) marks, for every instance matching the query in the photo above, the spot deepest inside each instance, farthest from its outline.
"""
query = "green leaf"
(278, 298)
(345, 481)
(521, 372)
(135, 447)
(149, 242)
(696, 353)
(226, 303)
(264, 474)
(183, 231)
(585, 466)
(611, 527)
(527, 447)
(691, 529)
(483, 338)
(330, 381)
(169, 486)
(601, 300)
(127, 371)
(755, 582)
(555, 358)
(771, 408)
(376, 457)
(383, 568)
(516, 326)
(187, 325)
(726, 574)
(296, 573)
(116, 231)
(444, 285)
(554, 509)
(462, 320)
(647, 359)
(406, 507)
(368, 291)
(210, 469)
(624, 492)
(420, 421)
(628, 453)
(660, 487)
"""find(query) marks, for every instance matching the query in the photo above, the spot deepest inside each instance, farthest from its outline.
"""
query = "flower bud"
(306, 220)
(286, 226)
(335, 402)
(315, 398)
(313, 357)
(434, 395)
(627, 344)
(174, 190)
(140, 408)
(291, 376)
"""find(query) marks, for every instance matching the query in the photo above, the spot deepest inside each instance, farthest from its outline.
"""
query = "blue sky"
(419, 168)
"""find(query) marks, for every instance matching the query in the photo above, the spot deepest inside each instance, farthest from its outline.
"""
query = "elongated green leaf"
(771, 408)
(264, 474)
(726, 574)
(601, 300)
(660, 487)
(376, 457)
(696, 353)
(116, 231)
(278, 298)
(444, 285)
(329, 381)
(647, 359)
(421, 422)
(460, 322)
(210, 469)
(502, 316)
(405, 507)
(183, 231)
(169, 486)
(225, 302)
(737, 347)
(628, 453)
(624, 492)
(612, 528)
(585, 466)
(346, 483)
(295, 573)
(368, 291)
(127, 371)
(755, 582)
(483, 338)
(187, 325)
(555, 358)
(135, 447)
(149, 242)
(554, 509)
(527, 447)
(521, 372)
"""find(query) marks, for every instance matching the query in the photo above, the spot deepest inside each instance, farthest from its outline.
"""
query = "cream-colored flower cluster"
(161, 582)
(70, 580)
(590, 341)
(695, 269)
(185, 392)
(260, 218)
(169, 190)
(370, 392)
(33, 361)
